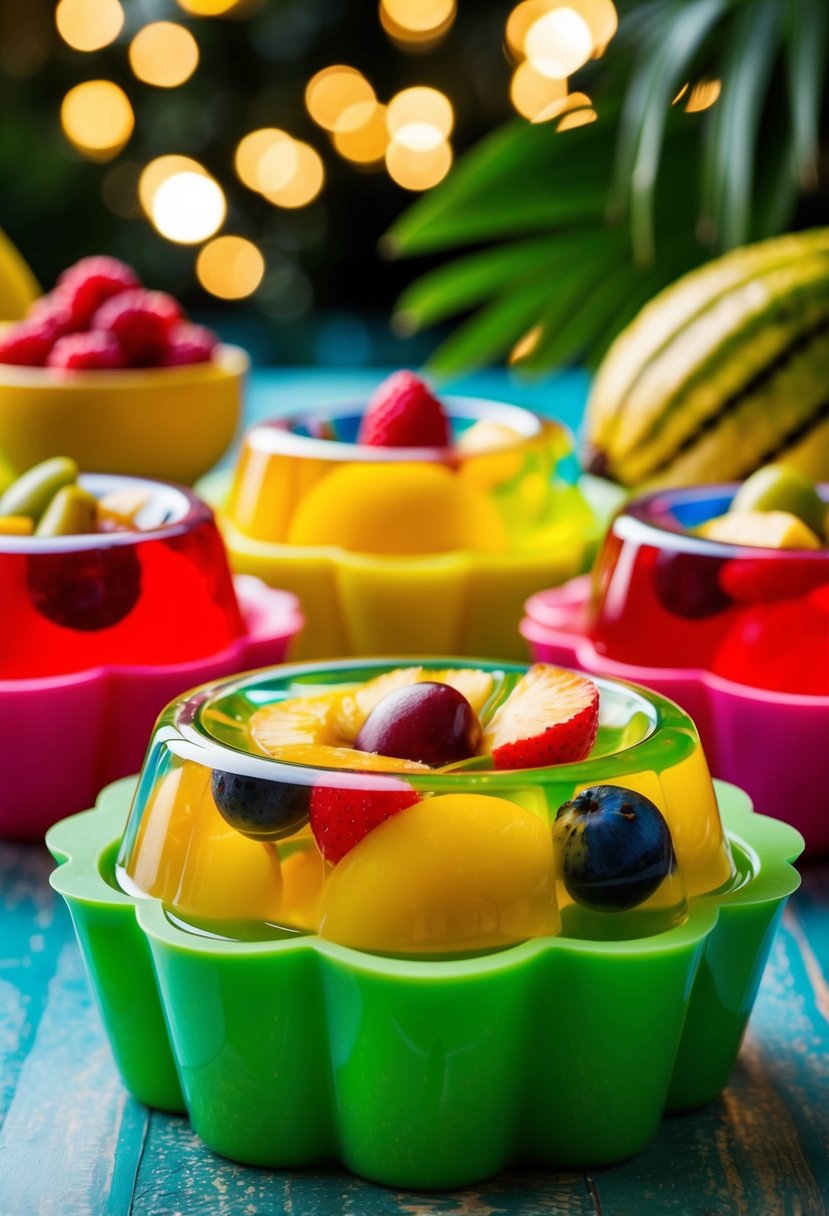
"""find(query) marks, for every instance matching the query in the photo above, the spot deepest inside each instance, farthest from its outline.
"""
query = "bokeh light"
(559, 43)
(573, 101)
(413, 22)
(340, 98)
(208, 8)
(158, 171)
(89, 25)
(418, 169)
(534, 95)
(188, 207)
(252, 150)
(230, 267)
(164, 54)
(367, 143)
(97, 118)
(420, 118)
(577, 118)
(703, 96)
(305, 182)
(599, 16)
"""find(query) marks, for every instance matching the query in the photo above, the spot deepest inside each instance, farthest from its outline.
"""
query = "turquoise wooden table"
(73, 1144)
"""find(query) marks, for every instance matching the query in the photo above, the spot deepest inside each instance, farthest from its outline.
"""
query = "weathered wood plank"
(72, 1138)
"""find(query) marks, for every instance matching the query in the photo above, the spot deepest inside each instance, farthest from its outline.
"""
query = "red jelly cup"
(99, 631)
(739, 636)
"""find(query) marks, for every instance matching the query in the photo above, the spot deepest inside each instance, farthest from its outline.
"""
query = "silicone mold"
(501, 527)
(173, 423)
(88, 689)
(424, 1072)
(738, 636)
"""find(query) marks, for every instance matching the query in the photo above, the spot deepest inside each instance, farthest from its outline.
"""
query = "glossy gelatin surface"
(160, 594)
(664, 597)
(456, 860)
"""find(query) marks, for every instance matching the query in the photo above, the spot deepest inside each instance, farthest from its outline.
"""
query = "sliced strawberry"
(340, 818)
(550, 717)
(402, 413)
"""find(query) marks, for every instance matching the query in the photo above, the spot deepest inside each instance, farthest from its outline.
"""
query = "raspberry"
(52, 310)
(28, 343)
(190, 344)
(96, 349)
(85, 286)
(402, 413)
(141, 321)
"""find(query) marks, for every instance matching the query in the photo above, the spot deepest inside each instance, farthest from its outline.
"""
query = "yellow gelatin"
(187, 856)
(303, 875)
(454, 873)
(397, 509)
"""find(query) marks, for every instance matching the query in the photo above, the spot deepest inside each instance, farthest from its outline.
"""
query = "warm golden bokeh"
(97, 118)
(420, 118)
(599, 16)
(188, 207)
(559, 43)
(89, 25)
(703, 96)
(418, 169)
(157, 172)
(340, 98)
(209, 8)
(304, 184)
(577, 118)
(533, 95)
(573, 101)
(251, 150)
(230, 267)
(365, 144)
(417, 22)
(164, 54)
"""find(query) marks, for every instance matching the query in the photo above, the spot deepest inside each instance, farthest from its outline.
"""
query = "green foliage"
(573, 231)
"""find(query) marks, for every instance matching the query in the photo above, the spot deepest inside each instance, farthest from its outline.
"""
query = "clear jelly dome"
(466, 860)
(306, 482)
(156, 595)
(664, 597)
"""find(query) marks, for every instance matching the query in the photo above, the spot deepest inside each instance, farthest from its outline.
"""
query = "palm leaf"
(806, 66)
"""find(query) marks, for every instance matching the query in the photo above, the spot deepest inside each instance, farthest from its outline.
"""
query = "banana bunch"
(724, 371)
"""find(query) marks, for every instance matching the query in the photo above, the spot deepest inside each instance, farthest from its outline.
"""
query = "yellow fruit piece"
(321, 755)
(120, 507)
(303, 874)
(354, 707)
(186, 855)
(397, 509)
(761, 530)
(454, 873)
(302, 720)
(16, 525)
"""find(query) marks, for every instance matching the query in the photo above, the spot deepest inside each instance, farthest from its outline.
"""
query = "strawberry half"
(340, 818)
(550, 717)
(402, 413)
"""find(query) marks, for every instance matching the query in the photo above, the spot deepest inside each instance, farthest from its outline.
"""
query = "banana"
(721, 372)
(18, 286)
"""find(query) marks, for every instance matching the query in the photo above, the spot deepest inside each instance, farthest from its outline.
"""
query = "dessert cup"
(405, 550)
(561, 1047)
(101, 630)
(169, 422)
(738, 636)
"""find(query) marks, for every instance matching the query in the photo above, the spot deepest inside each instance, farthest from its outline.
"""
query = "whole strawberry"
(142, 322)
(403, 413)
(85, 286)
(340, 818)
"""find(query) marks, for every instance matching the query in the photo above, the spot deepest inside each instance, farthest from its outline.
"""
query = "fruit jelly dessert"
(426, 809)
(103, 571)
(735, 585)
(484, 484)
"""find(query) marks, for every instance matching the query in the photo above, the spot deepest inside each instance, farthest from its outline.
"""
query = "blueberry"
(258, 808)
(688, 584)
(88, 590)
(615, 845)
